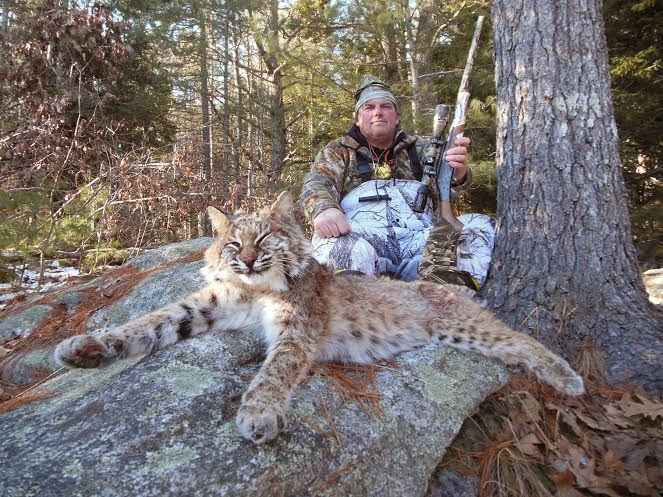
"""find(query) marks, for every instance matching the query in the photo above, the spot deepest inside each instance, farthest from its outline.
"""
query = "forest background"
(122, 120)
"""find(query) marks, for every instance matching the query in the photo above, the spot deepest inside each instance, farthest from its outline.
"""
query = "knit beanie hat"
(371, 88)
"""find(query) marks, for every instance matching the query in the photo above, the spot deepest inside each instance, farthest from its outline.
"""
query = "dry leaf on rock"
(606, 491)
(655, 473)
(636, 405)
(583, 466)
(569, 419)
(568, 491)
(612, 463)
(530, 445)
(616, 417)
(593, 421)
(637, 483)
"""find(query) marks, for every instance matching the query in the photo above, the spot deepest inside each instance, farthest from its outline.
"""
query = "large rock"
(23, 323)
(164, 425)
(147, 282)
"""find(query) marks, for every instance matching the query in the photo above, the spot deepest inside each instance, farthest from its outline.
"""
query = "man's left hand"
(457, 157)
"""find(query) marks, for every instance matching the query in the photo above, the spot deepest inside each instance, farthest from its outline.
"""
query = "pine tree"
(565, 267)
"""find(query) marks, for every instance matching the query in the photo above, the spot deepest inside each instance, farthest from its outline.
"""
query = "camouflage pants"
(388, 237)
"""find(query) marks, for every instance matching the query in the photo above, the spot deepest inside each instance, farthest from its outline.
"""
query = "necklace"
(381, 168)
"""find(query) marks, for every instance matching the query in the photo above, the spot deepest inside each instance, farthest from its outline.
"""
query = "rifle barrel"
(457, 127)
(465, 81)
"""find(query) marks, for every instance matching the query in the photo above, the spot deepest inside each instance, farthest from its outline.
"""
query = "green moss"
(184, 380)
(73, 470)
(168, 458)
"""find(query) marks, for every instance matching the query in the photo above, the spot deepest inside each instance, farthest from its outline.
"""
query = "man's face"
(377, 120)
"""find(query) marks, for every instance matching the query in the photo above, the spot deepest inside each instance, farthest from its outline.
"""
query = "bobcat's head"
(260, 248)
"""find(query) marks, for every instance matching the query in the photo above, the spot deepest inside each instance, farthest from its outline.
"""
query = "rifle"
(436, 167)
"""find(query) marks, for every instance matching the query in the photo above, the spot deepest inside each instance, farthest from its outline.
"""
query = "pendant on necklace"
(383, 171)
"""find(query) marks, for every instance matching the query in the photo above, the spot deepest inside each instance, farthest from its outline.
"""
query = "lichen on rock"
(163, 425)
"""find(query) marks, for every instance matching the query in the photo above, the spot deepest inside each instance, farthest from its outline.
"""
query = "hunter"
(359, 194)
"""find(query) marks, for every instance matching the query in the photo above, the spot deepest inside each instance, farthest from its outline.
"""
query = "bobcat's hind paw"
(82, 351)
(259, 423)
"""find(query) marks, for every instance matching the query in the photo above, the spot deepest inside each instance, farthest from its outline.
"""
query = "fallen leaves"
(609, 443)
(636, 405)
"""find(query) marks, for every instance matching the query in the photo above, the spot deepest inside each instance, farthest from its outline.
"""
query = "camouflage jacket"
(345, 163)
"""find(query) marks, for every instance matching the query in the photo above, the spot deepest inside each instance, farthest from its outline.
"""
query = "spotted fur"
(261, 274)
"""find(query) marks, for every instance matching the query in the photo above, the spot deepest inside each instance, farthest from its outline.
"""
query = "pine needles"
(527, 440)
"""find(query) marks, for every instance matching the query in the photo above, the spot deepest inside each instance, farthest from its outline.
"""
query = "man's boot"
(438, 261)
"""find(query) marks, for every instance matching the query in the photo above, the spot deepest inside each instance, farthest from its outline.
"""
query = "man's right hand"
(331, 222)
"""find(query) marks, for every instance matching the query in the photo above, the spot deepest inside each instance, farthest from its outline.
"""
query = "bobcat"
(261, 274)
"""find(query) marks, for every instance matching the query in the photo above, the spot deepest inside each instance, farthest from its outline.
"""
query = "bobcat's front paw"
(259, 423)
(82, 351)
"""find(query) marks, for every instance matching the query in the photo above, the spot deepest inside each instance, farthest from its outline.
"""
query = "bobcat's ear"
(283, 205)
(219, 220)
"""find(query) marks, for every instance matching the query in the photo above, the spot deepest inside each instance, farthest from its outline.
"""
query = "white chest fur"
(271, 309)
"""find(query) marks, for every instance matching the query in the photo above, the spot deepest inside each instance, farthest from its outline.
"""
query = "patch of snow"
(55, 276)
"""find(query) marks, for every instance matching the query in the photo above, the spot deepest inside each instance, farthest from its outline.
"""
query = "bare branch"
(439, 73)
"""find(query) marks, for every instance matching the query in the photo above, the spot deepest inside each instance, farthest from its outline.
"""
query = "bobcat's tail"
(470, 327)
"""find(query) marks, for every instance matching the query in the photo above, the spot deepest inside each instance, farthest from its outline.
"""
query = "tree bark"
(423, 25)
(277, 111)
(565, 268)
(278, 126)
(226, 92)
(251, 131)
(270, 54)
(239, 141)
(206, 165)
(206, 152)
(4, 16)
(419, 37)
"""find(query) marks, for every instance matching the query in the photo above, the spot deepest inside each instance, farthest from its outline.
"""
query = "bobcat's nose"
(248, 257)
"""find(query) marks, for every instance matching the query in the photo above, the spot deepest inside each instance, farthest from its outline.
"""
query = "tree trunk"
(4, 20)
(277, 111)
(278, 127)
(206, 166)
(226, 91)
(206, 152)
(251, 131)
(239, 142)
(418, 34)
(413, 70)
(565, 267)
(422, 32)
